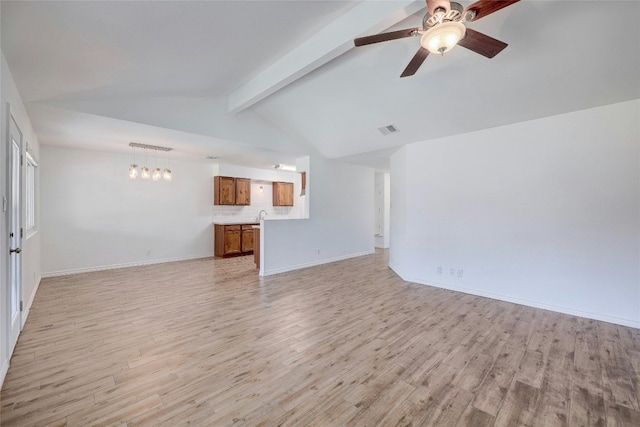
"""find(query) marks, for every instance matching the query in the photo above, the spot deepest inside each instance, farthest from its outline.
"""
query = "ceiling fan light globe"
(443, 37)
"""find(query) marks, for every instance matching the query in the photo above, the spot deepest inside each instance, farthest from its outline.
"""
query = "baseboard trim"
(535, 304)
(123, 265)
(314, 263)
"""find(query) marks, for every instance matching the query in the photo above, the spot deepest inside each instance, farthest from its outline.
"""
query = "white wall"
(31, 273)
(340, 224)
(544, 213)
(261, 195)
(95, 217)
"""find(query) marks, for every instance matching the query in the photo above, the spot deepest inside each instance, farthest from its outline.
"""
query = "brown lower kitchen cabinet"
(233, 239)
(247, 238)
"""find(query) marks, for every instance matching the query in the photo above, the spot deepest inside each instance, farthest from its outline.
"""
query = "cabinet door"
(218, 240)
(224, 190)
(282, 194)
(287, 189)
(243, 191)
(232, 241)
(247, 240)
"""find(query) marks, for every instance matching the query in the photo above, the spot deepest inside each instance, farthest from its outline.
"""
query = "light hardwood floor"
(209, 343)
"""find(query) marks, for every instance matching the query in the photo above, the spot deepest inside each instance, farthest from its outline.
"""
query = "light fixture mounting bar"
(149, 147)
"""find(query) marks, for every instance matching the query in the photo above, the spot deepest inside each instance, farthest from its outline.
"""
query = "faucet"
(260, 217)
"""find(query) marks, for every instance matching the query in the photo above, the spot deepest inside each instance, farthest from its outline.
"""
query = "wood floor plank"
(387, 400)
(474, 417)
(587, 409)
(617, 371)
(519, 405)
(618, 415)
(449, 407)
(208, 342)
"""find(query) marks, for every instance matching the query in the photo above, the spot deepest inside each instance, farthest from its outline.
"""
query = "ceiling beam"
(368, 17)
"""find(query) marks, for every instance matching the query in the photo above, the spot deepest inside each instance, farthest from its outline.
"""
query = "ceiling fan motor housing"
(441, 15)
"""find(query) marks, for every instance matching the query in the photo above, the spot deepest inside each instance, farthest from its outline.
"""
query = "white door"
(15, 234)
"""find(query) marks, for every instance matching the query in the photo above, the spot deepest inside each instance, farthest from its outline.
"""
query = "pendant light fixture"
(157, 174)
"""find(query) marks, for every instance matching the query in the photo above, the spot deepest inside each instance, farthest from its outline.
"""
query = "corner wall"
(94, 217)
(544, 213)
(340, 224)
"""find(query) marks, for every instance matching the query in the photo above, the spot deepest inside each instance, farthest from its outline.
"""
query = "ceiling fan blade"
(483, 8)
(482, 43)
(415, 62)
(393, 35)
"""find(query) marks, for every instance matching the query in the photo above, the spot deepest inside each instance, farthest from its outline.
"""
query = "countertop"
(233, 222)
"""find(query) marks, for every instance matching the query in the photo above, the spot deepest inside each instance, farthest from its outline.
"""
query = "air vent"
(388, 130)
(211, 157)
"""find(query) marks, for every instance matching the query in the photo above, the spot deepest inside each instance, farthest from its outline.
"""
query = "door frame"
(13, 304)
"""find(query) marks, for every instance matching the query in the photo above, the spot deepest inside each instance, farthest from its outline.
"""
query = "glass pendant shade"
(166, 174)
(157, 174)
(133, 171)
(144, 173)
(443, 37)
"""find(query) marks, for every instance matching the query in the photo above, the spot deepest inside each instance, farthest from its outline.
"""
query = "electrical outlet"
(318, 251)
(439, 269)
(452, 272)
(460, 273)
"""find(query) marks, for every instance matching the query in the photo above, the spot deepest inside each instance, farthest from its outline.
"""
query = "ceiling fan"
(443, 28)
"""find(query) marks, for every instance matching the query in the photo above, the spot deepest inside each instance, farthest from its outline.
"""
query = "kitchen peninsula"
(242, 197)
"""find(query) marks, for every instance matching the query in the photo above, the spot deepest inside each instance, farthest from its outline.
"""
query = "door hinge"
(21, 232)
(4, 204)
(21, 160)
(21, 305)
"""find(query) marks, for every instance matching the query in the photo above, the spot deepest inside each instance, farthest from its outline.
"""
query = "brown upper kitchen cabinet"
(283, 194)
(231, 191)
(243, 191)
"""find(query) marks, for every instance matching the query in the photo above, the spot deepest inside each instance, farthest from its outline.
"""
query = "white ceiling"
(100, 74)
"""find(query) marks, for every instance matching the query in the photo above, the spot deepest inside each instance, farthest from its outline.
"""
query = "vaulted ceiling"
(263, 82)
